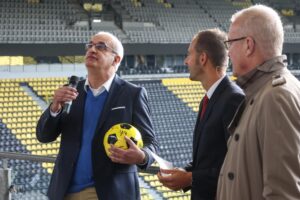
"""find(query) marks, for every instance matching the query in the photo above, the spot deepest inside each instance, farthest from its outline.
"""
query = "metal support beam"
(5, 182)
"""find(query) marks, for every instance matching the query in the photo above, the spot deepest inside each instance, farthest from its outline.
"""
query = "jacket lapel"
(111, 98)
(78, 108)
(197, 129)
(200, 123)
(216, 96)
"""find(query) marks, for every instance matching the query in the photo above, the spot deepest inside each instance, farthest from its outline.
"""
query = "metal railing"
(6, 187)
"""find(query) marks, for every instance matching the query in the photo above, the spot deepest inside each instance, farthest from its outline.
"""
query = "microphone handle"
(68, 104)
(67, 107)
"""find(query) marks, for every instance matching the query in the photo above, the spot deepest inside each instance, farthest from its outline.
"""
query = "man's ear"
(250, 46)
(116, 60)
(203, 58)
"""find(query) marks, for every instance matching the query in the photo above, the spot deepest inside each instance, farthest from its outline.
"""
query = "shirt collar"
(212, 89)
(106, 86)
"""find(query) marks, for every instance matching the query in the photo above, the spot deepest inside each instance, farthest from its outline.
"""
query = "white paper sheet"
(163, 164)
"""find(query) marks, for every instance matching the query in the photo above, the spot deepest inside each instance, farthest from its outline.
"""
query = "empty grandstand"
(42, 44)
(156, 30)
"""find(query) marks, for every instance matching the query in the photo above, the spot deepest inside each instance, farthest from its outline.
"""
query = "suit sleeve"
(189, 167)
(280, 144)
(143, 122)
(47, 129)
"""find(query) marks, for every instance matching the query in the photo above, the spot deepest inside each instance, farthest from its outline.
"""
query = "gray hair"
(264, 25)
(116, 45)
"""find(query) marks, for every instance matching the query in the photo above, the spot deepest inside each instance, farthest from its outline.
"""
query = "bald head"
(114, 43)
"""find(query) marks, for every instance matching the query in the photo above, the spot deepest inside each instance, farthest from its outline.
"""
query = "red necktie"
(204, 105)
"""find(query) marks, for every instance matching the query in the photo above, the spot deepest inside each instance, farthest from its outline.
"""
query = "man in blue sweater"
(83, 170)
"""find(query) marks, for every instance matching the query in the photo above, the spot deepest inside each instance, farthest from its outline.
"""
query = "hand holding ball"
(116, 136)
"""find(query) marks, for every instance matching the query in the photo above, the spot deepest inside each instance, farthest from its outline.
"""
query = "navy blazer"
(210, 139)
(112, 180)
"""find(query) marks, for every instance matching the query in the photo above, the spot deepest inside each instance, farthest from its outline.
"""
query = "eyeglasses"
(228, 43)
(100, 46)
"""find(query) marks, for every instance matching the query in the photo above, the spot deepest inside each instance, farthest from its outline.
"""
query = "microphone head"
(74, 81)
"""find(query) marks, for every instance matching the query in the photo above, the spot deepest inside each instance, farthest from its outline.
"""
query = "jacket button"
(231, 176)
(236, 137)
(251, 102)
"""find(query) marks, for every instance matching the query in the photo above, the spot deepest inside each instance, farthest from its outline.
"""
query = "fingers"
(62, 95)
(132, 155)
(116, 151)
(65, 93)
(117, 154)
(130, 143)
(164, 177)
(171, 178)
(138, 154)
(168, 181)
(177, 180)
(167, 171)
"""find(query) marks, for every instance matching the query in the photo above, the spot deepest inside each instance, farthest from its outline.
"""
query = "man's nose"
(185, 62)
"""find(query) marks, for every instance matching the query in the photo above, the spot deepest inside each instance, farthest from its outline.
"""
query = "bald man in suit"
(82, 169)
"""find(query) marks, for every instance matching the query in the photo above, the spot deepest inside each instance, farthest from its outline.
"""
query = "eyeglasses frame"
(228, 43)
(105, 47)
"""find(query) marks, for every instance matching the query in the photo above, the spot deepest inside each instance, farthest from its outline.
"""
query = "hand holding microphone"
(73, 82)
(64, 96)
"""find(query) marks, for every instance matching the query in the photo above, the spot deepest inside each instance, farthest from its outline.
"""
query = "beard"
(198, 72)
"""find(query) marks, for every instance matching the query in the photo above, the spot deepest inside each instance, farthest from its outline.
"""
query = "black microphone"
(73, 82)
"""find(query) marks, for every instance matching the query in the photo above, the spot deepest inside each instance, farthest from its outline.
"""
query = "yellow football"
(116, 136)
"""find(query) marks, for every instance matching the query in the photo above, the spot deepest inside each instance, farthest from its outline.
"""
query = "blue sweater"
(83, 174)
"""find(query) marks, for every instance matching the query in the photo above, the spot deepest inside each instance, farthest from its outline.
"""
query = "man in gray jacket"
(263, 158)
